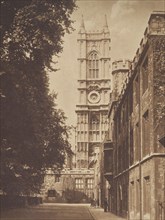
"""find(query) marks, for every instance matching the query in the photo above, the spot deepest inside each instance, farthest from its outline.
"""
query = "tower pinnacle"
(105, 21)
(105, 27)
(82, 27)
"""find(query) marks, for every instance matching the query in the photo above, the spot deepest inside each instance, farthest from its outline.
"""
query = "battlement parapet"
(121, 64)
(156, 26)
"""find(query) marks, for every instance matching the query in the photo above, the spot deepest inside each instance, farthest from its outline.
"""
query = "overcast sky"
(127, 20)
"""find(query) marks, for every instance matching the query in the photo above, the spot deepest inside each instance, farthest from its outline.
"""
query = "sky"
(127, 21)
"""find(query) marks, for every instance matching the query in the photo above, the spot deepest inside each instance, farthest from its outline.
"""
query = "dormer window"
(93, 65)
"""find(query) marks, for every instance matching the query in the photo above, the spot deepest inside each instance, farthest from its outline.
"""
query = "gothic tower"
(93, 91)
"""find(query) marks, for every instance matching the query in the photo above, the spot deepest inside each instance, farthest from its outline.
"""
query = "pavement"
(99, 214)
(57, 211)
(49, 211)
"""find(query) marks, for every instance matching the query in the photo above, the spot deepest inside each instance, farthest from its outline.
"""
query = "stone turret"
(120, 70)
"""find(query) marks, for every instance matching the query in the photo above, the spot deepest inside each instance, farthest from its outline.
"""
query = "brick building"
(134, 153)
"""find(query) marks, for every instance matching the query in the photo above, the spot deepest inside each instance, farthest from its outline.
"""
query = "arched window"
(93, 65)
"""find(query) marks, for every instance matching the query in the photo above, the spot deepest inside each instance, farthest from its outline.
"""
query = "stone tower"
(93, 91)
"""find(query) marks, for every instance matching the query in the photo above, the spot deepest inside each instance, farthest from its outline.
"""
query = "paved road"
(49, 212)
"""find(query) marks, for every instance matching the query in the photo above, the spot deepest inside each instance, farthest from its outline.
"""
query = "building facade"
(136, 165)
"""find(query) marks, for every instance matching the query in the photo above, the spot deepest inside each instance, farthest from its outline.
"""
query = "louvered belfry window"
(93, 65)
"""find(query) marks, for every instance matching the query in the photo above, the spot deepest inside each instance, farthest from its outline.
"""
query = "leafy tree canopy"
(34, 135)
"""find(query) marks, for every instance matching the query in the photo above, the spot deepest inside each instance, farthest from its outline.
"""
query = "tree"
(33, 131)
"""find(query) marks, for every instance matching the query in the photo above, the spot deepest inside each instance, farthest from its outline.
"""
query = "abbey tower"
(93, 91)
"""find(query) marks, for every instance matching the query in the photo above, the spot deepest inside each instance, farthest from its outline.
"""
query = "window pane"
(79, 183)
